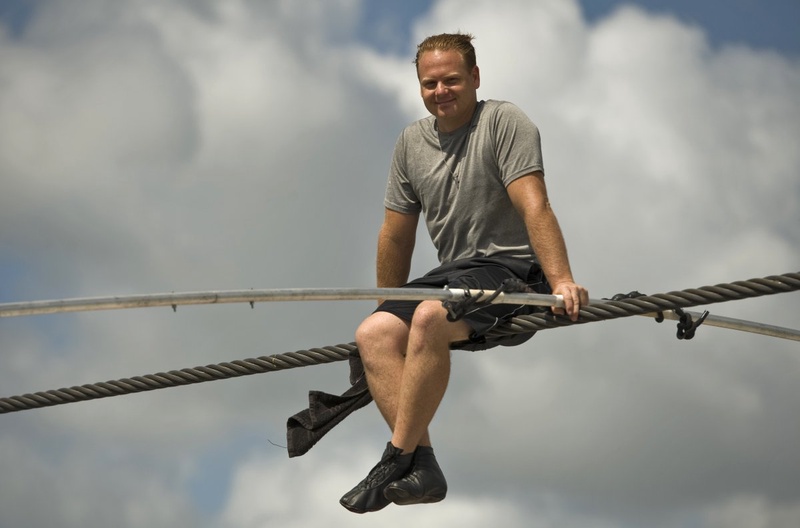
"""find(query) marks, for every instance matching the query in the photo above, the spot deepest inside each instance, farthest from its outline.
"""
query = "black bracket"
(456, 310)
(686, 326)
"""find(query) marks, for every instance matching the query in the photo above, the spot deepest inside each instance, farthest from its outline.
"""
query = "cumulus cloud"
(167, 146)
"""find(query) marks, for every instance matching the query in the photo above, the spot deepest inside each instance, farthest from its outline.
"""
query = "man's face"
(448, 89)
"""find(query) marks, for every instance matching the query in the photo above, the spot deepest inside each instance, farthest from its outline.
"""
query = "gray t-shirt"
(459, 180)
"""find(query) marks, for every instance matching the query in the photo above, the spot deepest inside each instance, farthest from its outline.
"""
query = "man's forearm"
(393, 262)
(548, 243)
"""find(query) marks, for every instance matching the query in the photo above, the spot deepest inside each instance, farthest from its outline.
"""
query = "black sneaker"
(424, 484)
(368, 495)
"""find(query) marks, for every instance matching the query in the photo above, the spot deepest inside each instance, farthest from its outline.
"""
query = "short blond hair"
(460, 42)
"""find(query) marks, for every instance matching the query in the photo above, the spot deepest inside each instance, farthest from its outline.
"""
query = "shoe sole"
(357, 510)
(402, 498)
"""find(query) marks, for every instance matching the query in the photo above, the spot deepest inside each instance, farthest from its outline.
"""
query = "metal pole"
(738, 324)
(253, 296)
(342, 294)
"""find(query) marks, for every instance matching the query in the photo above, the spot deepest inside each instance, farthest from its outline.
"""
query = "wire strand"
(600, 311)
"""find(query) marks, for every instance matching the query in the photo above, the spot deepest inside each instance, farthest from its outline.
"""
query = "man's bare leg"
(382, 341)
(425, 373)
(407, 368)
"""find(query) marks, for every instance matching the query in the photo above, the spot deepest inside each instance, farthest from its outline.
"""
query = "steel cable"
(177, 378)
(599, 311)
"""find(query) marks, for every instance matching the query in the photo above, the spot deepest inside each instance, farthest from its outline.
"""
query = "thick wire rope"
(652, 304)
(177, 378)
(594, 312)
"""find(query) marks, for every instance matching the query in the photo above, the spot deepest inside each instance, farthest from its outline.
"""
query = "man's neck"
(447, 127)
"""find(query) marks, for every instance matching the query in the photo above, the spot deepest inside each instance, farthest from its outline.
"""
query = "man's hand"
(574, 296)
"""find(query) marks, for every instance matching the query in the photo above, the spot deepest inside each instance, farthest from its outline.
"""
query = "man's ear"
(476, 76)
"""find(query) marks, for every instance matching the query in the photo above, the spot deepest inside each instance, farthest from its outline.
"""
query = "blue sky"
(769, 24)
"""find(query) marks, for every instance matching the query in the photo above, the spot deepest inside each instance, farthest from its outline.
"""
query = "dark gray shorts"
(481, 272)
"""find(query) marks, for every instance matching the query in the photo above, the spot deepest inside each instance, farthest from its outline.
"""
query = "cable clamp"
(632, 295)
(686, 326)
(457, 310)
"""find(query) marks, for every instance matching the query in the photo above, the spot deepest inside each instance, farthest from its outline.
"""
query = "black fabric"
(325, 411)
(479, 273)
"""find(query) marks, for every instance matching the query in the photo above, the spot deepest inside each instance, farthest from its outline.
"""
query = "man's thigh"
(460, 275)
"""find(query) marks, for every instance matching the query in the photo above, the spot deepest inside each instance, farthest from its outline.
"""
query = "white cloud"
(742, 511)
(176, 147)
(52, 483)
(266, 492)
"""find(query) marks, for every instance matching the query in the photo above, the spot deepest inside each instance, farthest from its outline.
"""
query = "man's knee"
(382, 332)
(430, 319)
(429, 315)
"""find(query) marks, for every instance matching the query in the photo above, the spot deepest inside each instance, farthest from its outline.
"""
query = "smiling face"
(448, 87)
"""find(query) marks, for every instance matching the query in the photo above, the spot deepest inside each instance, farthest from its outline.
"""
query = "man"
(474, 170)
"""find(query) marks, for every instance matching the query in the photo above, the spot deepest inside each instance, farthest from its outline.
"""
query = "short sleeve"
(518, 146)
(400, 193)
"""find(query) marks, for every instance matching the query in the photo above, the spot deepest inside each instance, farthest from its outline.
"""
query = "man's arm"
(529, 196)
(395, 247)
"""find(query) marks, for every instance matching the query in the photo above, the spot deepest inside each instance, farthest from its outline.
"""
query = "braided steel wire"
(595, 312)
(661, 302)
(177, 378)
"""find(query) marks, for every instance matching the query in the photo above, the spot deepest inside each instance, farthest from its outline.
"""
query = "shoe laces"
(380, 471)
